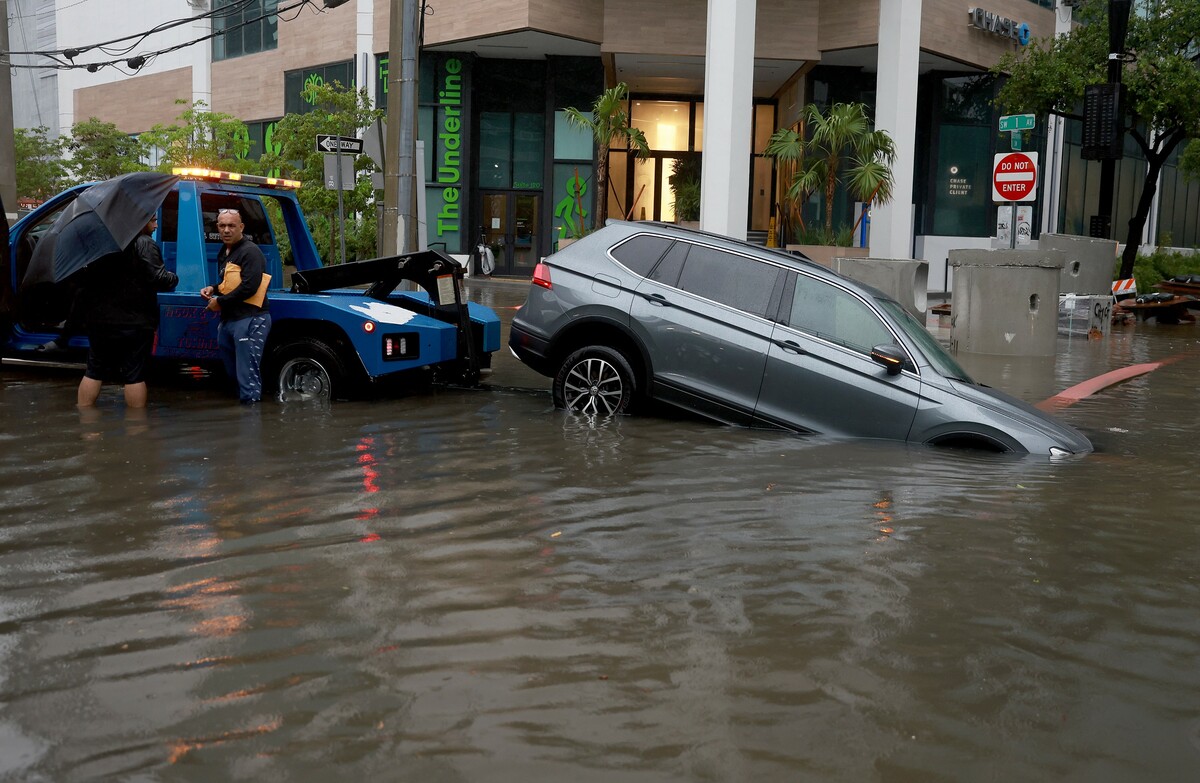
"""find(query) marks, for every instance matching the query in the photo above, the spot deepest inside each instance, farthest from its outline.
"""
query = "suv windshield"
(942, 362)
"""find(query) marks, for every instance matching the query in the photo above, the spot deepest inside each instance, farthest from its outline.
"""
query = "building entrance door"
(512, 229)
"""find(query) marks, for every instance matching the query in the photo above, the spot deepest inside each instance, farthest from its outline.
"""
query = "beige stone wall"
(784, 29)
(463, 19)
(848, 24)
(251, 87)
(136, 104)
(944, 29)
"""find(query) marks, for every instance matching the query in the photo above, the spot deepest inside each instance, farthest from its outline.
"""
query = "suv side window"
(828, 312)
(730, 279)
(640, 254)
(667, 271)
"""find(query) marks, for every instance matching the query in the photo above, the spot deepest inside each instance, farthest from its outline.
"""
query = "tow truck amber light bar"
(213, 175)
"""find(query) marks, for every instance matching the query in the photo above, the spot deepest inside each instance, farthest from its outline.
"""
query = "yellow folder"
(233, 278)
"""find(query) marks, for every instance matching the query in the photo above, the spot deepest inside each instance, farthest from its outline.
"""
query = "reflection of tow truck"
(326, 339)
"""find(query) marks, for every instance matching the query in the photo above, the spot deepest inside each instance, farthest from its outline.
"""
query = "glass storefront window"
(699, 127)
(644, 190)
(570, 142)
(574, 200)
(298, 94)
(495, 149)
(529, 149)
(511, 150)
(963, 188)
(665, 123)
(764, 126)
(617, 179)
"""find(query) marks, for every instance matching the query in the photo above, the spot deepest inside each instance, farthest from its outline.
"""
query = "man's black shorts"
(119, 355)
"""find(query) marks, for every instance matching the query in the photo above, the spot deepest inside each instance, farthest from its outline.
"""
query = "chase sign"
(999, 25)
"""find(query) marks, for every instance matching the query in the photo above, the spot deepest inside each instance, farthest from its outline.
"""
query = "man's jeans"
(241, 343)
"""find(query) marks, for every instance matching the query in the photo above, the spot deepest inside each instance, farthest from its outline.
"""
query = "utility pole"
(399, 228)
(8, 154)
(1118, 26)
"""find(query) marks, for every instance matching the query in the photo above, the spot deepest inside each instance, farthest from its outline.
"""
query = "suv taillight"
(541, 275)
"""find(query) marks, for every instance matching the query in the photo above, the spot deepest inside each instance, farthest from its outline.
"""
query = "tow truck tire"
(596, 381)
(305, 368)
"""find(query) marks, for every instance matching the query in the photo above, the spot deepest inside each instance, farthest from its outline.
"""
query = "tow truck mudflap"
(434, 271)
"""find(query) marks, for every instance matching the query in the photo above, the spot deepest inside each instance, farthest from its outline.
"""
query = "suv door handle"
(791, 346)
(657, 299)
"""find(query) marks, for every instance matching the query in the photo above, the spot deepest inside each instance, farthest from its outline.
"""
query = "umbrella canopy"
(104, 219)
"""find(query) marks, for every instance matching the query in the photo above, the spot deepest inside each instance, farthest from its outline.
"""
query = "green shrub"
(1160, 265)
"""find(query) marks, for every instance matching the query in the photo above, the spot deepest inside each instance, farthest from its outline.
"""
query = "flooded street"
(468, 585)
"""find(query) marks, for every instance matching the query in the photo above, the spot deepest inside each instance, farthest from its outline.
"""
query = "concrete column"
(728, 111)
(896, 113)
(1005, 301)
(202, 59)
(363, 48)
(1055, 125)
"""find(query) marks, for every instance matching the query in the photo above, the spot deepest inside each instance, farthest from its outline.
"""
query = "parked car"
(752, 336)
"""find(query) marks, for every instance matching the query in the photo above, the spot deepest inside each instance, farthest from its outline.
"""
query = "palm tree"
(824, 143)
(608, 122)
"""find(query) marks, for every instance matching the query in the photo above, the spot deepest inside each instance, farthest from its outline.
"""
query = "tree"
(100, 151)
(201, 138)
(608, 122)
(340, 112)
(41, 172)
(1162, 82)
(824, 144)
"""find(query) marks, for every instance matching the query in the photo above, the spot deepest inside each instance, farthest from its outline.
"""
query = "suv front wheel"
(595, 380)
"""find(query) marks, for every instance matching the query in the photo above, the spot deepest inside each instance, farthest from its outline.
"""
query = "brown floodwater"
(467, 585)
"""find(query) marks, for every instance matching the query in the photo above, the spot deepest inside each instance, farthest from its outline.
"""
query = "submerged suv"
(751, 336)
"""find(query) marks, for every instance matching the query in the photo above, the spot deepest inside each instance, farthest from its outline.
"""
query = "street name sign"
(326, 143)
(1018, 122)
(1014, 176)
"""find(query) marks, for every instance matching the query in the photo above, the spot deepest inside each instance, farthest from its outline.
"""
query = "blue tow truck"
(336, 329)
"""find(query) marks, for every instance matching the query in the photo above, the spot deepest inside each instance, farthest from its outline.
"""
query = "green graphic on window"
(571, 208)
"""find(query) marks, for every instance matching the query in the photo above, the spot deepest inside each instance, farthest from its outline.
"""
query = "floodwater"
(467, 585)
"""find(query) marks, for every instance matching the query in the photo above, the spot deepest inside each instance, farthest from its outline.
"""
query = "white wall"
(82, 24)
(34, 90)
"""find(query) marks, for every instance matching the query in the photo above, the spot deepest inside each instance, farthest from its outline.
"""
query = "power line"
(139, 61)
(71, 52)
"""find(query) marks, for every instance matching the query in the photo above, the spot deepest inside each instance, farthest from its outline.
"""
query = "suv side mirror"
(890, 356)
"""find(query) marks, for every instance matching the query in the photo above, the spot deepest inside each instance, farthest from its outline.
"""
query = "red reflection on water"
(367, 460)
(370, 538)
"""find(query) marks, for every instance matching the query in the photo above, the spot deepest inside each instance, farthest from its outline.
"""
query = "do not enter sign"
(1014, 176)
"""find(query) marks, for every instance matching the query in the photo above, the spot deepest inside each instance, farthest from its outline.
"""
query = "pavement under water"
(470, 585)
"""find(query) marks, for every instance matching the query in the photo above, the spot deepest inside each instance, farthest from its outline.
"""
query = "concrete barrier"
(1005, 302)
(904, 279)
(1089, 263)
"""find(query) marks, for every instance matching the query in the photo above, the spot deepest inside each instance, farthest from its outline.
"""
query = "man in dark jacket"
(241, 299)
(118, 303)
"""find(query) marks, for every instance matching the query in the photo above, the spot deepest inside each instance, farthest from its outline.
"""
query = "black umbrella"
(103, 219)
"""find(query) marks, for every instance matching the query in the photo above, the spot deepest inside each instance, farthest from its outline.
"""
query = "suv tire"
(595, 380)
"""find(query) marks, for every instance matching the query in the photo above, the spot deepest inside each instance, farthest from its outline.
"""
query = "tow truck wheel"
(308, 369)
(596, 381)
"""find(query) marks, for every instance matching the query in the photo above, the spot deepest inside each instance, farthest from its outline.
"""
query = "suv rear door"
(702, 315)
(819, 374)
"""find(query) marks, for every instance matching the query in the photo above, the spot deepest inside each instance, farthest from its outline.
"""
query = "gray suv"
(750, 336)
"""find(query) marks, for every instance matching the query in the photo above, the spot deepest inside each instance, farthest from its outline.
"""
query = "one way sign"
(334, 143)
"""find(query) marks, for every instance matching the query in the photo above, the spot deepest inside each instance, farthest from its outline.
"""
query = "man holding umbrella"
(118, 300)
(101, 242)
